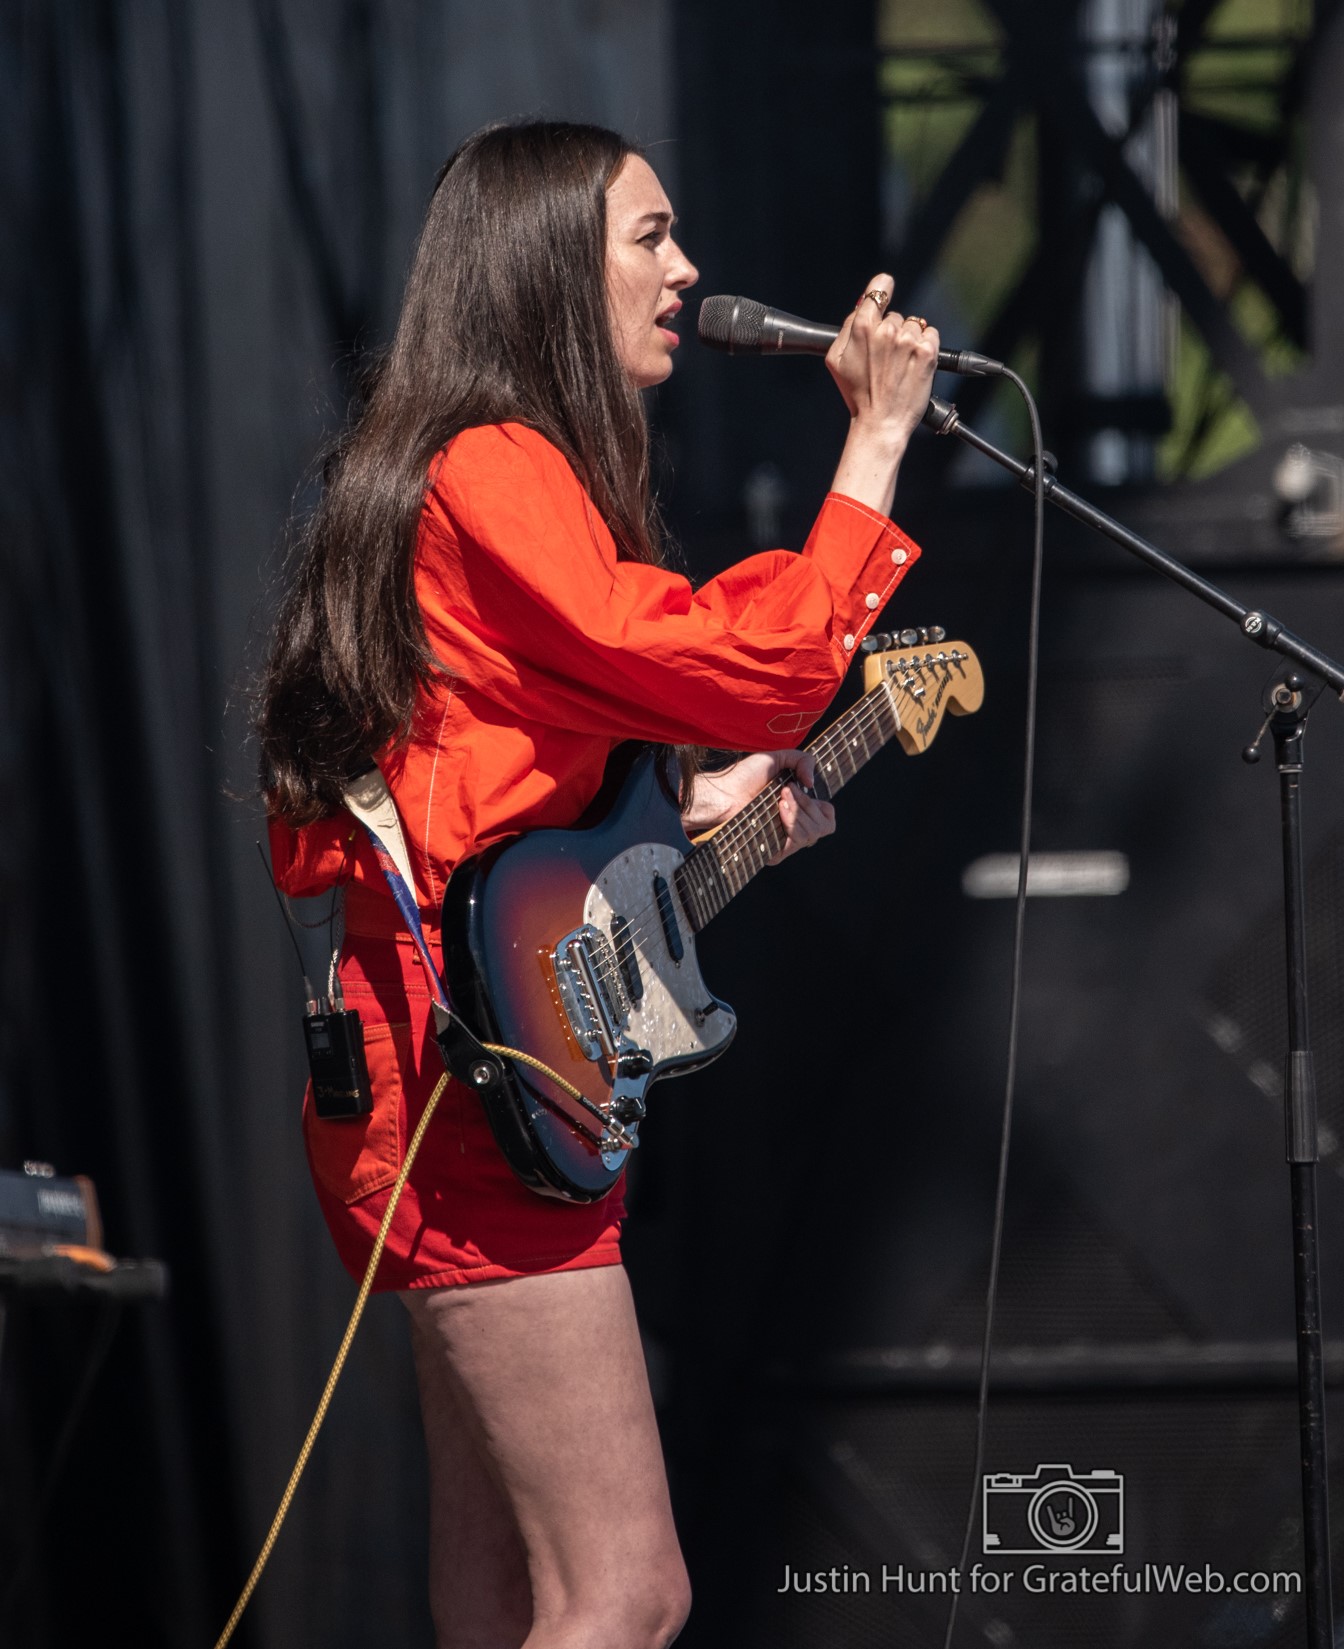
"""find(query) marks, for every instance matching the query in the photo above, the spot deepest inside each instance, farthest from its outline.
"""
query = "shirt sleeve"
(309, 859)
(524, 597)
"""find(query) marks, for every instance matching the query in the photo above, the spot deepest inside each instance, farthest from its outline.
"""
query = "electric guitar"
(578, 946)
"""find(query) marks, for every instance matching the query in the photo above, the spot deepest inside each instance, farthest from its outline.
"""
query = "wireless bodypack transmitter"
(334, 1038)
(336, 1061)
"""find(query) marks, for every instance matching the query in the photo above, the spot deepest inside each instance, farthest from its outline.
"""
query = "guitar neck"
(722, 865)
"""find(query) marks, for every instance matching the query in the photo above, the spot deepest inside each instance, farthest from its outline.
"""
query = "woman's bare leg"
(480, 1596)
(555, 1434)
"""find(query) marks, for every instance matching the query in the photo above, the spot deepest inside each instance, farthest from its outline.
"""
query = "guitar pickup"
(676, 949)
(628, 958)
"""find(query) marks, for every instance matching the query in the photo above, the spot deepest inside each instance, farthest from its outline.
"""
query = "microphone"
(744, 327)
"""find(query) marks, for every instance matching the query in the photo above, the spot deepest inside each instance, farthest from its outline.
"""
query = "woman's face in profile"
(646, 270)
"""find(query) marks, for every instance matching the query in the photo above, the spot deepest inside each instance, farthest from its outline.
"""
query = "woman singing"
(481, 605)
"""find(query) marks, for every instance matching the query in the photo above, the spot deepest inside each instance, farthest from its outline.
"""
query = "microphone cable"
(1015, 992)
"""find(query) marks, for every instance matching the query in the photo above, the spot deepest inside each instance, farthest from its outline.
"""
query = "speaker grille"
(1208, 1481)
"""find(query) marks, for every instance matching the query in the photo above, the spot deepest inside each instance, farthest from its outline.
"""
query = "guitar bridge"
(592, 990)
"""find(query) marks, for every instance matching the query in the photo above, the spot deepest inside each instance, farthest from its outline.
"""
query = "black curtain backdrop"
(208, 212)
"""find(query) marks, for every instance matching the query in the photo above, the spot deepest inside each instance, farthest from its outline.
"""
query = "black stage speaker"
(1146, 1314)
(865, 1506)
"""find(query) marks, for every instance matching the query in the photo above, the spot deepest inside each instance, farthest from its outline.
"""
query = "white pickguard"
(677, 1019)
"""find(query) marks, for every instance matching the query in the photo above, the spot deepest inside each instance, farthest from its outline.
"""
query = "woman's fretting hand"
(718, 796)
(883, 363)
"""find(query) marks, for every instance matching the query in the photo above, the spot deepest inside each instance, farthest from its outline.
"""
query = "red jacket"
(556, 651)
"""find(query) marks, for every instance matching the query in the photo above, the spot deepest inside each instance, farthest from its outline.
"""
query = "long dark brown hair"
(505, 318)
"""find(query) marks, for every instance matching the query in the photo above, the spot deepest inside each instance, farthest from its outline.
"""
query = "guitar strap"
(369, 799)
(371, 802)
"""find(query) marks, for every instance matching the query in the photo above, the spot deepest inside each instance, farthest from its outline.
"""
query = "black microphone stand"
(1286, 704)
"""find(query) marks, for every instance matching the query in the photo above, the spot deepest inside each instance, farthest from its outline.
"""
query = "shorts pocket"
(351, 1156)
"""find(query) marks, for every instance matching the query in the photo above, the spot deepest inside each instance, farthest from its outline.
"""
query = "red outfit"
(556, 652)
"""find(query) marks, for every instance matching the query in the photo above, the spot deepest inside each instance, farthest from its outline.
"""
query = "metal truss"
(1231, 157)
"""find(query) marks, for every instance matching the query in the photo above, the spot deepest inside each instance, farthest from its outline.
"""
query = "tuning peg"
(909, 638)
(937, 633)
(877, 641)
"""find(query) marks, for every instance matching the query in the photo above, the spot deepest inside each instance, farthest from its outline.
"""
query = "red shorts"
(464, 1216)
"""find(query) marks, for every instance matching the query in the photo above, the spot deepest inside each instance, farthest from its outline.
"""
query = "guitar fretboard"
(725, 862)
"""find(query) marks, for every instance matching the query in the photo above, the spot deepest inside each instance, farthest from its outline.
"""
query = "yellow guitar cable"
(324, 1402)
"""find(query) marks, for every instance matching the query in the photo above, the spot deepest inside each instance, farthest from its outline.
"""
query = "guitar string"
(705, 885)
(865, 717)
(871, 709)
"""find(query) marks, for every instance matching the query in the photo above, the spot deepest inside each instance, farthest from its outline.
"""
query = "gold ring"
(878, 296)
(923, 324)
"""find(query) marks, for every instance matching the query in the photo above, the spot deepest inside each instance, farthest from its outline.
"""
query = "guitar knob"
(909, 638)
(937, 633)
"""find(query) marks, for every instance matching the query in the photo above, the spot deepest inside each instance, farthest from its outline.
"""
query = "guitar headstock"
(927, 677)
